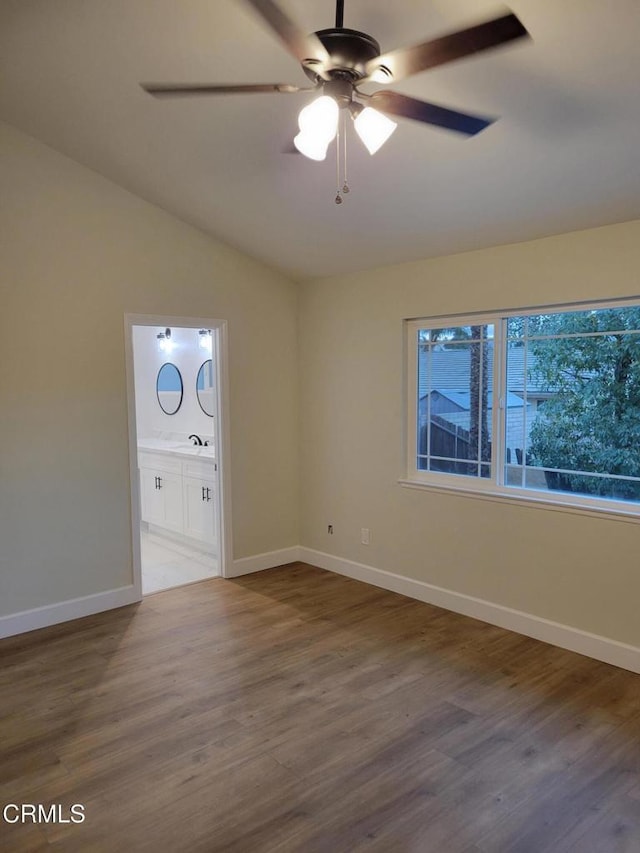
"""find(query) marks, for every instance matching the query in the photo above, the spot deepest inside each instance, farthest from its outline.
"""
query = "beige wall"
(578, 570)
(76, 253)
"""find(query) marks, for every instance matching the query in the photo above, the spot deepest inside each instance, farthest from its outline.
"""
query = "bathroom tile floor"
(166, 564)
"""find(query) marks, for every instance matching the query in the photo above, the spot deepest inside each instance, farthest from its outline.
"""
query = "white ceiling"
(564, 155)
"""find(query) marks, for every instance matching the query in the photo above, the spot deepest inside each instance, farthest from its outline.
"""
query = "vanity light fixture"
(165, 344)
(205, 339)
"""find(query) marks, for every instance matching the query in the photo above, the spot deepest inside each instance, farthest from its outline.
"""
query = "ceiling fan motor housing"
(350, 51)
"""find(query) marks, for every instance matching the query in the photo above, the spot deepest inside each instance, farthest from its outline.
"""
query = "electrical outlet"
(364, 535)
(330, 529)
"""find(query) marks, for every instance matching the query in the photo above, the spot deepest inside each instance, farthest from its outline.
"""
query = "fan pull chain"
(345, 186)
(338, 198)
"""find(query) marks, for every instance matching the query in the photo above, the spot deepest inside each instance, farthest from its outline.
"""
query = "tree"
(478, 397)
(592, 421)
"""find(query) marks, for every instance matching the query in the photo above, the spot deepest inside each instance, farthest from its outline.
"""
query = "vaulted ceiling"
(563, 155)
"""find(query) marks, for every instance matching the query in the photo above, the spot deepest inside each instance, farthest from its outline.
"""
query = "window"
(542, 405)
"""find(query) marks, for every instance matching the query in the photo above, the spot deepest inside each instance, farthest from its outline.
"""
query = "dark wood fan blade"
(396, 104)
(307, 48)
(411, 60)
(171, 90)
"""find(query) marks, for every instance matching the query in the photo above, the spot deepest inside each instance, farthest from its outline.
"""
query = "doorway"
(176, 379)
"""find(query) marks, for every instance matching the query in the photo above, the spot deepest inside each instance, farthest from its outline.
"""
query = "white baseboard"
(555, 633)
(564, 636)
(259, 562)
(76, 608)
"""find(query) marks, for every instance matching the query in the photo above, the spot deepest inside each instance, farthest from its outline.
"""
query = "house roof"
(462, 398)
(450, 370)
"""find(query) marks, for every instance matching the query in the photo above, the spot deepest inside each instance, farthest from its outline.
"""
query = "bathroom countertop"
(176, 448)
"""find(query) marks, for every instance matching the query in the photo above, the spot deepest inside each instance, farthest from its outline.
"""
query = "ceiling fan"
(339, 60)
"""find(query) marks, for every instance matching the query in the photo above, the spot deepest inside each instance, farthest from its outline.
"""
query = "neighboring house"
(444, 395)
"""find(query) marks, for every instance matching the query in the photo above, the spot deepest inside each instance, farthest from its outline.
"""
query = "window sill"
(538, 500)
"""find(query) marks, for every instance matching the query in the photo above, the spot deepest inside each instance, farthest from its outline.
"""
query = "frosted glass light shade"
(307, 144)
(373, 128)
(320, 118)
(318, 123)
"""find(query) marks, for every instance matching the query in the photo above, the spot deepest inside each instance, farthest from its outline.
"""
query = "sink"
(161, 444)
(181, 447)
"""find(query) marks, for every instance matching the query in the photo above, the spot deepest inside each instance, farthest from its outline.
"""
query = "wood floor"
(297, 710)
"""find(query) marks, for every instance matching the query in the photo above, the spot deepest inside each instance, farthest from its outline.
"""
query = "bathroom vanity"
(178, 490)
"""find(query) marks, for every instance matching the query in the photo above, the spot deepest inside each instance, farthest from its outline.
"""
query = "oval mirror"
(169, 388)
(204, 387)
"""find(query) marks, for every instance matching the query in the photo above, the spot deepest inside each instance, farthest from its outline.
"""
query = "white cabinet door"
(171, 491)
(151, 497)
(161, 498)
(180, 495)
(199, 509)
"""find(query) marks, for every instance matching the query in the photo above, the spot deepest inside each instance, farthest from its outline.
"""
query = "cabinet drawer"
(160, 462)
(205, 470)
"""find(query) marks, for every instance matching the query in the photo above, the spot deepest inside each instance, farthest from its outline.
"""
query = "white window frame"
(494, 487)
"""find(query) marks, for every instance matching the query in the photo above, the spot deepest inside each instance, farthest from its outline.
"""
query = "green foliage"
(591, 423)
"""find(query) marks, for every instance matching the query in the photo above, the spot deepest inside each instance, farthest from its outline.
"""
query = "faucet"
(196, 439)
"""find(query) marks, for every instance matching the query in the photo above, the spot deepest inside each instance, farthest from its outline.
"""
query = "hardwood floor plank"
(616, 830)
(22, 838)
(297, 710)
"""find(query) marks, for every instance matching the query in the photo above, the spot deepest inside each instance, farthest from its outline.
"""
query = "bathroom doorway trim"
(222, 433)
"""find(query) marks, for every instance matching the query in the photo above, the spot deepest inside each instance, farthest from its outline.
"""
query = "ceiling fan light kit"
(338, 60)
